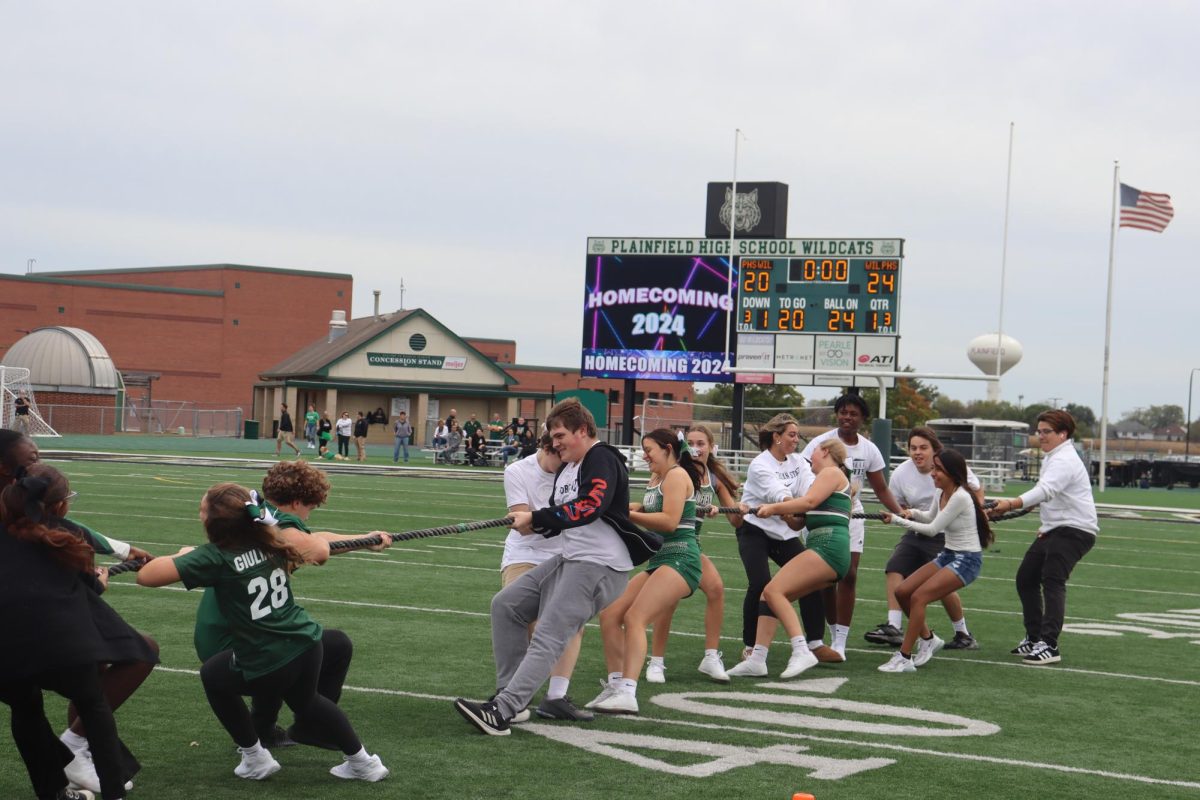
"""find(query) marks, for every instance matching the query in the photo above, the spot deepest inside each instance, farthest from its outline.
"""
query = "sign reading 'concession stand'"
(416, 361)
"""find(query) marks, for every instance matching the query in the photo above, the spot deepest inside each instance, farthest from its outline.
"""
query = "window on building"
(235, 323)
(614, 396)
(668, 398)
(639, 398)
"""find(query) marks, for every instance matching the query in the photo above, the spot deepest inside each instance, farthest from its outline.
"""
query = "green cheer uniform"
(213, 633)
(254, 594)
(705, 497)
(680, 550)
(829, 531)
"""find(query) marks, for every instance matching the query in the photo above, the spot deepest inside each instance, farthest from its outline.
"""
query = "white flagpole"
(1003, 266)
(1112, 248)
(733, 274)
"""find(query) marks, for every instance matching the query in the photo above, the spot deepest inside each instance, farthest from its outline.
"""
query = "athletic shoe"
(605, 693)
(827, 655)
(1041, 655)
(256, 766)
(562, 708)
(520, 717)
(800, 661)
(748, 669)
(298, 735)
(898, 663)
(1025, 647)
(654, 672)
(714, 667)
(618, 703)
(926, 648)
(962, 641)
(885, 633)
(74, 794)
(370, 769)
(81, 772)
(484, 716)
(841, 651)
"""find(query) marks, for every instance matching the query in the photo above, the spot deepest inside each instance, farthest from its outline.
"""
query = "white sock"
(840, 634)
(710, 653)
(758, 654)
(960, 626)
(252, 750)
(896, 619)
(628, 685)
(614, 678)
(657, 660)
(359, 757)
(558, 687)
(73, 740)
(813, 644)
(799, 645)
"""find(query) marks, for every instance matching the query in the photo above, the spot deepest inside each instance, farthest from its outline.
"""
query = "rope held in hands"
(363, 542)
(875, 517)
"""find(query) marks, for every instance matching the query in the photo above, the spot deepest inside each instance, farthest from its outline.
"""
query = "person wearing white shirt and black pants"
(1067, 532)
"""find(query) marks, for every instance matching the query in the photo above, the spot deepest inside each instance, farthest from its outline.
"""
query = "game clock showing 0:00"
(818, 295)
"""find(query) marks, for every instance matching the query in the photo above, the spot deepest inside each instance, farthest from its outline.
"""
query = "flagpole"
(1112, 247)
(1003, 265)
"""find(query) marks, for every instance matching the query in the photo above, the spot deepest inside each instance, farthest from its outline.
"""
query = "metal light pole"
(1187, 423)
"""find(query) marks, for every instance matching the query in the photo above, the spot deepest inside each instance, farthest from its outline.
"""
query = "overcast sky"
(470, 149)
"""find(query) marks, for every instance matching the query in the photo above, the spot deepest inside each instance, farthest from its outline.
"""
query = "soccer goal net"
(678, 415)
(18, 408)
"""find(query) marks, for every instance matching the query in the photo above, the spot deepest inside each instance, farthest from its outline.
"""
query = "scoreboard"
(819, 295)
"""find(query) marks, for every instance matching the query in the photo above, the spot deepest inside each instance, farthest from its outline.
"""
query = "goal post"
(14, 386)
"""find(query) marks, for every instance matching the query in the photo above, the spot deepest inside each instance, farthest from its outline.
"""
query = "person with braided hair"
(277, 646)
(956, 513)
(57, 632)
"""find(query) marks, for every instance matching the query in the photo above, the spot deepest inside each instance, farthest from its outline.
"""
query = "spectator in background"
(345, 426)
(454, 440)
(520, 427)
(477, 448)
(324, 431)
(311, 420)
(509, 448)
(496, 428)
(402, 430)
(440, 434)
(286, 434)
(529, 444)
(472, 425)
(360, 436)
(21, 414)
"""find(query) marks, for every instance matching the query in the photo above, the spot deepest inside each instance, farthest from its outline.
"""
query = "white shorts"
(858, 535)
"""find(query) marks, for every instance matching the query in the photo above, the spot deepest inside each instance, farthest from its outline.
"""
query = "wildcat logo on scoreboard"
(761, 210)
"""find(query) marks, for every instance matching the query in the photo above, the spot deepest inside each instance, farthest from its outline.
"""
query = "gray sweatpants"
(562, 596)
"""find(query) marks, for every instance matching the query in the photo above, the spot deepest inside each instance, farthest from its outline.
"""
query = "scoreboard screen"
(823, 294)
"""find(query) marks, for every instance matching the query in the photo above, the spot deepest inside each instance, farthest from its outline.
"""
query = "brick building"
(206, 331)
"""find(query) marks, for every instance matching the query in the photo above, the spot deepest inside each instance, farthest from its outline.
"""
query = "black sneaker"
(299, 735)
(1042, 654)
(74, 794)
(885, 634)
(562, 708)
(1024, 648)
(962, 641)
(484, 716)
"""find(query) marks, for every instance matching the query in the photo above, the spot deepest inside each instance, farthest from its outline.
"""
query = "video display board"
(656, 316)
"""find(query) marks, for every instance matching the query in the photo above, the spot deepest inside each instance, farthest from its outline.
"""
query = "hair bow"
(259, 510)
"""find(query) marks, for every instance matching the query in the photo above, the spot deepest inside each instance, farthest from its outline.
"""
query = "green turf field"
(1113, 720)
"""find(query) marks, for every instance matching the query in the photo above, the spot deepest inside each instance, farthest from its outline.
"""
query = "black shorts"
(914, 551)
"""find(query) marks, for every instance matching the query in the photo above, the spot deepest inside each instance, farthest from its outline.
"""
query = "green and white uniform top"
(833, 512)
(213, 631)
(681, 548)
(829, 531)
(706, 496)
(652, 503)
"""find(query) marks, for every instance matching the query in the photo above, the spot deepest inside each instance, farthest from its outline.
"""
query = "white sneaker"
(714, 667)
(81, 772)
(654, 672)
(748, 669)
(606, 693)
(925, 650)
(370, 770)
(618, 703)
(898, 663)
(839, 649)
(800, 661)
(521, 716)
(256, 766)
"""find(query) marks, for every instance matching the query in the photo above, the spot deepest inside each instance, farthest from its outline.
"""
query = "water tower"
(982, 352)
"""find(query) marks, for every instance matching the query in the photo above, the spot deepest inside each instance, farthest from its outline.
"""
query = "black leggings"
(295, 682)
(41, 750)
(755, 547)
(339, 650)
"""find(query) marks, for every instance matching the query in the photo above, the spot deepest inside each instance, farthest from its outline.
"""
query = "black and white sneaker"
(1042, 654)
(885, 633)
(562, 708)
(1024, 648)
(74, 794)
(484, 716)
(962, 641)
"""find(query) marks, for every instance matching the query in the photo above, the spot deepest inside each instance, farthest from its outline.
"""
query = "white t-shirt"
(956, 520)
(771, 481)
(344, 425)
(596, 542)
(526, 483)
(912, 489)
(861, 458)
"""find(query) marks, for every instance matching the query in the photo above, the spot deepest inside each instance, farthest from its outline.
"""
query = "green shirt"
(472, 426)
(213, 632)
(312, 418)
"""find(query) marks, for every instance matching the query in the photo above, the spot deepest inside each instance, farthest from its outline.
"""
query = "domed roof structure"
(64, 357)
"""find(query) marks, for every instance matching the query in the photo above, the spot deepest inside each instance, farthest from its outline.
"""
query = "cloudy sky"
(469, 149)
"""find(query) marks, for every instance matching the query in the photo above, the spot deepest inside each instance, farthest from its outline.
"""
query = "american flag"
(1149, 211)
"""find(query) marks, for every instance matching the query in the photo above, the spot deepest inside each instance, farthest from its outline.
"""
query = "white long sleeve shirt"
(772, 481)
(956, 520)
(1063, 493)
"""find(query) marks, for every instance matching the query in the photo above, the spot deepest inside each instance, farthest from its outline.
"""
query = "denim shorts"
(966, 564)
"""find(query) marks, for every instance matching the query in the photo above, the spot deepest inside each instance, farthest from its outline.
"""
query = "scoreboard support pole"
(739, 416)
(627, 411)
